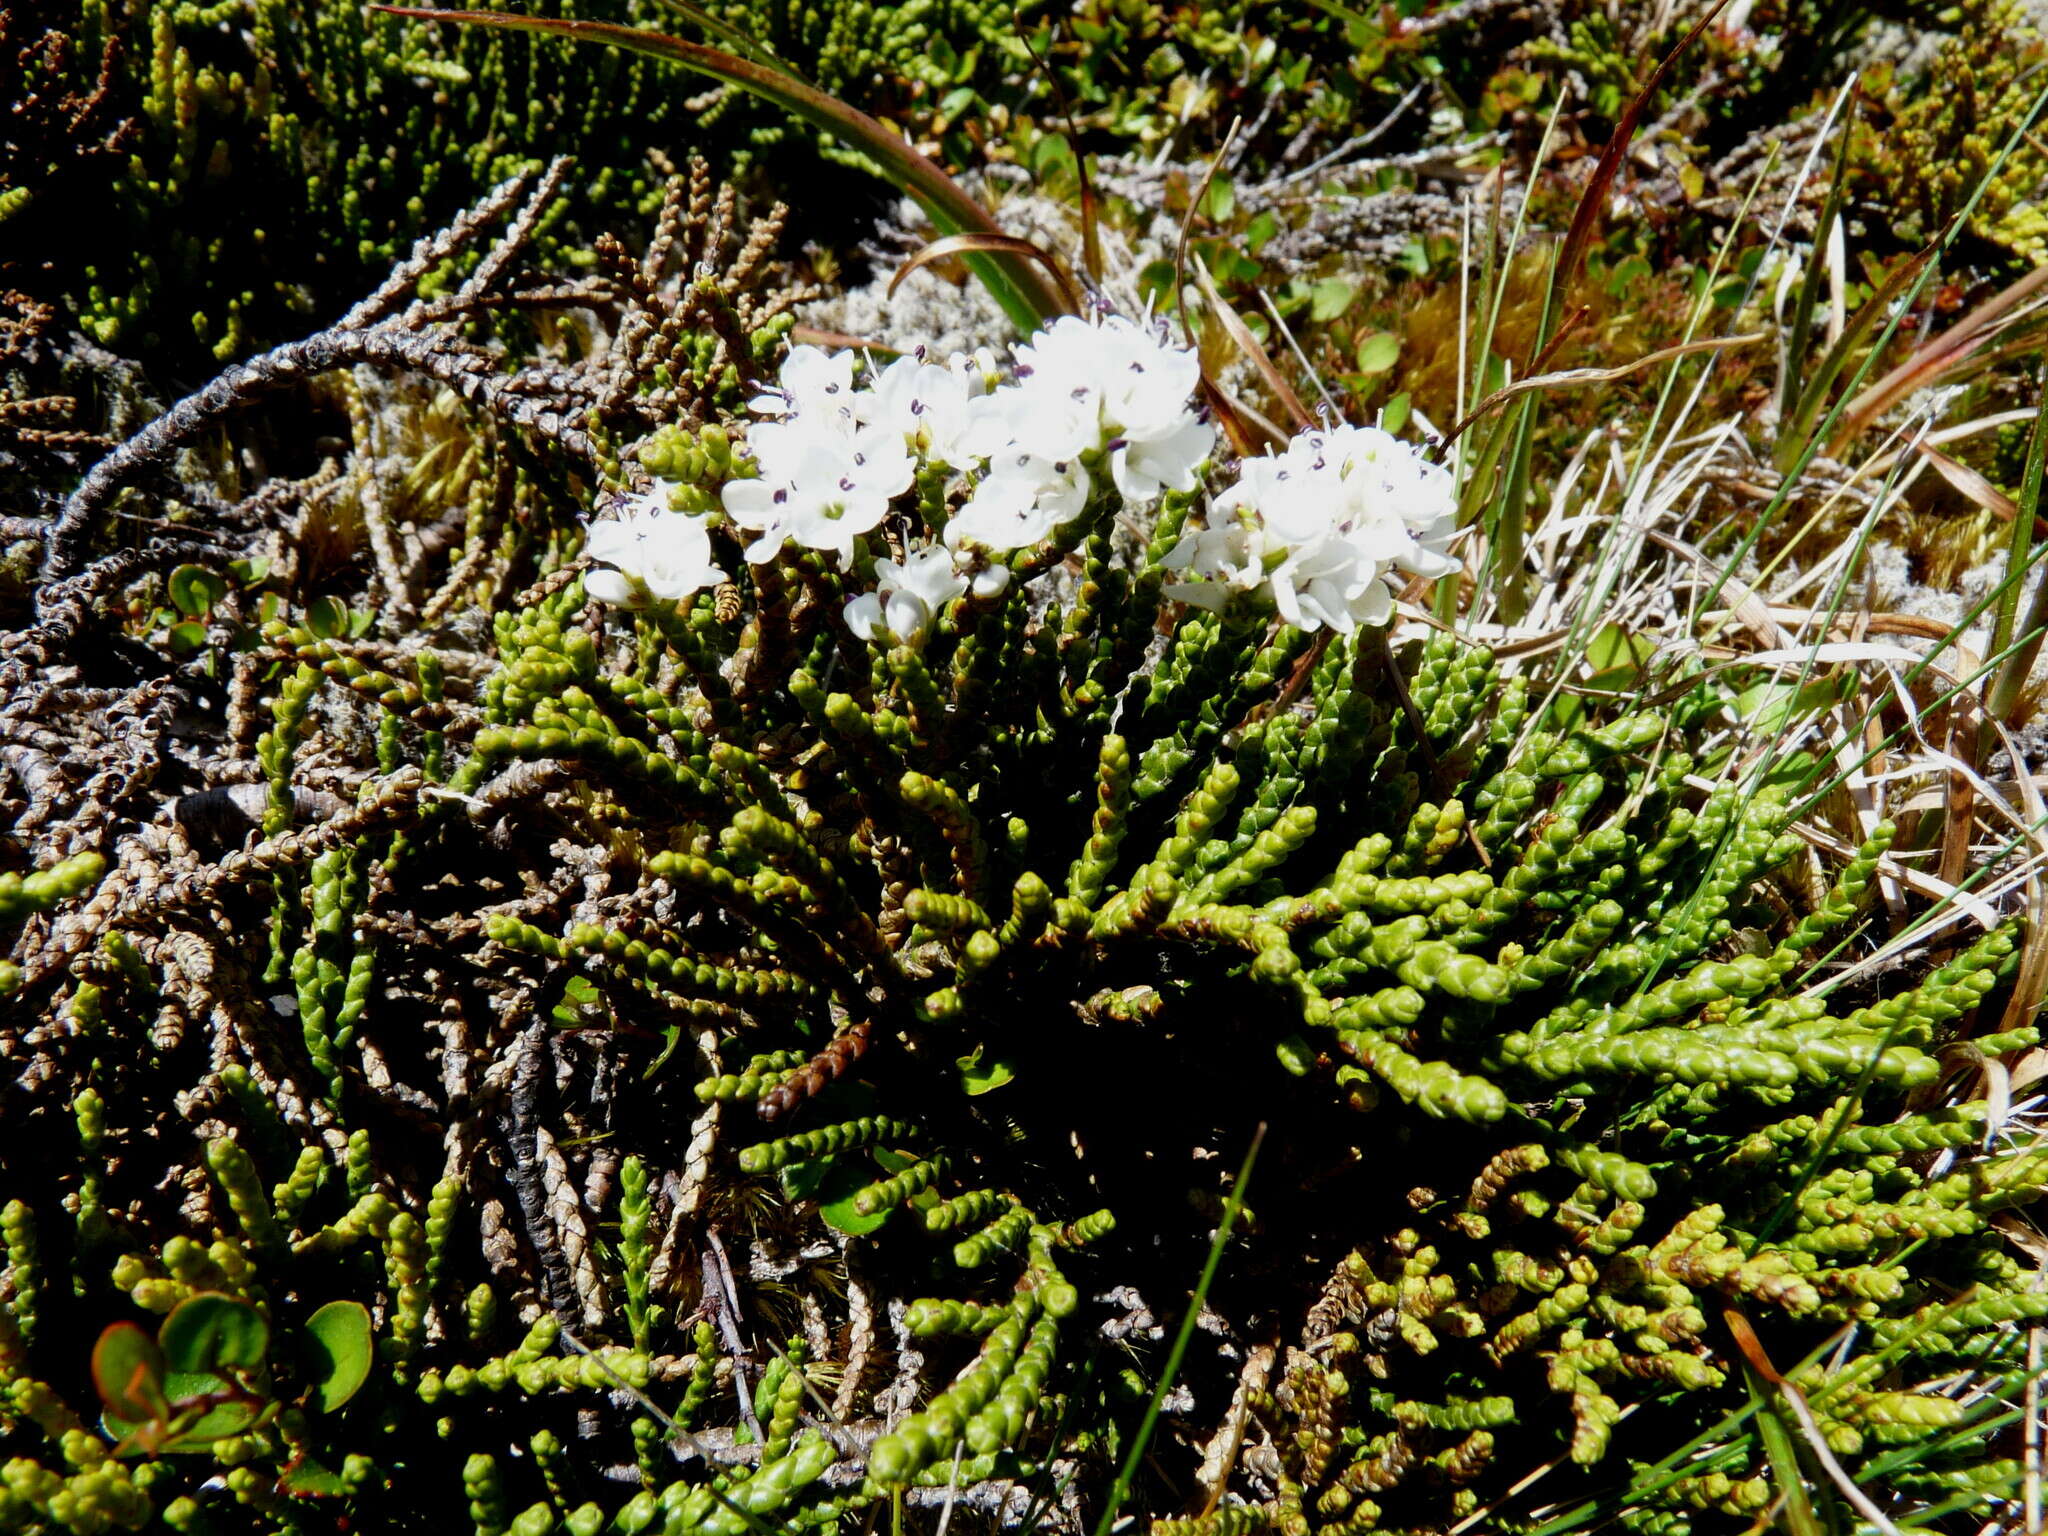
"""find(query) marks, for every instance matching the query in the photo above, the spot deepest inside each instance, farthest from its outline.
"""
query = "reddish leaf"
(128, 1370)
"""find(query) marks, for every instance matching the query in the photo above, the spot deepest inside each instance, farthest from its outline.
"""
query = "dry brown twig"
(416, 338)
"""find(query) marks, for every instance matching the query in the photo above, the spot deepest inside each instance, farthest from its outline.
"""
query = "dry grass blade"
(1973, 486)
(1983, 913)
(1753, 1350)
(1743, 602)
(1013, 245)
(1955, 434)
(1307, 368)
(811, 336)
(1566, 376)
(1248, 344)
(1966, 346)
(1238, 421)
(1563, 333)
(1187, 225)
(2030, 987)
(1580, 235)
(1960, 812)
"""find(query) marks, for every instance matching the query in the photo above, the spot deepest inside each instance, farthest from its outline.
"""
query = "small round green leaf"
(187, 637)
(1378, 351)
(336, 1353)
(1051, 151)
(847, 1178)
(194, 590)
(213, 1332)
(309, 1479)
(979, 1077)
(1330, 298)
(209, 1409)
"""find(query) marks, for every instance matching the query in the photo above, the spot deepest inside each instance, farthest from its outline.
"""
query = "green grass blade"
(1809, 286)
(1782, 1451)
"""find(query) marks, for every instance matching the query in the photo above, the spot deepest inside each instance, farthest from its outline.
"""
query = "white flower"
(1111, 383)
(1144, 466)
(648, 552)
(1054, 410)
(1147, 384)
(1020, 501)
(1026, 418)
(1002, 514)
(1321, 527)
(818, 486)
(812, 383)
(1331, 582)
(910, 596)
(929, 405)
(1224, 559)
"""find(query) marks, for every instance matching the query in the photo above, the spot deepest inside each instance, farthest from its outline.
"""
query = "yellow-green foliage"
(1929, 151)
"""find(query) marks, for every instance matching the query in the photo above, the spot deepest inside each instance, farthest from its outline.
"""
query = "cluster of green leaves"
(204, 1377)
(351, 133)
(38, 891)
(936, 916)
(245, 1371)
(347, 133)
(255, 1399)
(257, 104)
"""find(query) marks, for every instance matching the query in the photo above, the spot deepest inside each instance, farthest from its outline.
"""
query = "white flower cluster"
(837, 453)
(1316, 530)
(1321, 527)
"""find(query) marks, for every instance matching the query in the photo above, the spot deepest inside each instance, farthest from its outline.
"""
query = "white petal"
(863, 614)
(1376, 606)
(767, 547)
(610, 587)
(907, 617)
(612, 541)
(1201, 594)
(752, 503)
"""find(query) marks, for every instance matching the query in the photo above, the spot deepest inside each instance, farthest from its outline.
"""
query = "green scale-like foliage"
(1509, 949)
(987, 951)
(281, 155)
(976, 941)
